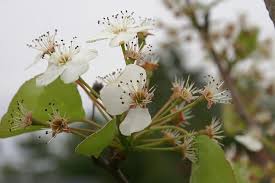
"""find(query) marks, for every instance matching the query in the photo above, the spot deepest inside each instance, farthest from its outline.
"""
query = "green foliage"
(242, 175)
(246, 43)
(211, 167)
(232, 122)
(94, 144)
(41, 102)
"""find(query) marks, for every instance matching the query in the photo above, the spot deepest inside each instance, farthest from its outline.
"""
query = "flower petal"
(144, 28)
(37, 58)
(85, 55)
(136, 120)
(101, 36)
(134, 75)
(121, 38)
(73, 72)
(51, 74)
(113, 98)
(250, 142)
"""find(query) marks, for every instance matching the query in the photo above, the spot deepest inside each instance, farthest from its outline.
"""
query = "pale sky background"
(23, 20)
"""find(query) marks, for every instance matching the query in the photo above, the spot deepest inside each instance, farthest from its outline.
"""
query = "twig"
(239, 107)
(112, 169)
(270, 6)
(229, 83)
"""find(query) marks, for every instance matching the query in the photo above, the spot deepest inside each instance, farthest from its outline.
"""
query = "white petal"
(134, 75)
(141, 28)
(111, 97)
(36, 60)
(250, 142)
(51, 74)
(101, 36)
(122, 38)
(136, 120)
(73, 72)
(84, 56)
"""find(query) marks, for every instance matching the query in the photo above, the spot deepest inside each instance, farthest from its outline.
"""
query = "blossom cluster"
(126, 92)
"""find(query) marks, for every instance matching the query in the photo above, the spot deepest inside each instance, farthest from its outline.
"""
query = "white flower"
(214, 130)
(174, 136)
(127, 91)
(213, 92)
(21, 118)
(184, 89)
(67, 62)
(142, 55)
(45, 44)
(188, 149)
(183, 117)
(250, 141)
(120, 28)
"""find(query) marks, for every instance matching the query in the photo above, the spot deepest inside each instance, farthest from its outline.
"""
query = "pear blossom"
(58, 124)
(142, 55)
(45, 45)
(126, 91)
(184, 89)
(148, 23)
(174, 136)
(149, 62)
(188, 149)
(120, 28)
(183, 117)
(136, 52)
(68, 62)
(214, 93)
(21, 118)
(214, 130)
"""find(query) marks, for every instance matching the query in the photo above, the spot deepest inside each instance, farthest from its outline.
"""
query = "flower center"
(117, 30)
(49, 50)
(59, 125)
(141, 97)
(187, 95)
(133, 55)
(63, 59)
(207, 94)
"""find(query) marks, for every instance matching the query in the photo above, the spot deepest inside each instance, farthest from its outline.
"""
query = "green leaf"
(246, 43)
(211, 167)
(41, 102)
(94, 144)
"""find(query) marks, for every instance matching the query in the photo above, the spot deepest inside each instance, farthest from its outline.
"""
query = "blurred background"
(27, 159)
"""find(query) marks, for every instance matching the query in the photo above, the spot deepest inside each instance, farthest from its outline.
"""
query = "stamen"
(111, 77)
(118, 22)
(21, 117)
(45, 43)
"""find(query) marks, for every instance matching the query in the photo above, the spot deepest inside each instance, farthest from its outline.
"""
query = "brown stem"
(239, 107)
(112, 169)
(270, 6)
(229, 83)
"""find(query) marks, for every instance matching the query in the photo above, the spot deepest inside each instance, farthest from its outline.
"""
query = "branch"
(229, 83)
(111, 168)
(239, 107)
(270, 6)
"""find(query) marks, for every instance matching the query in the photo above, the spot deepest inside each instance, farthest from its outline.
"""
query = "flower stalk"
(189, 106)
